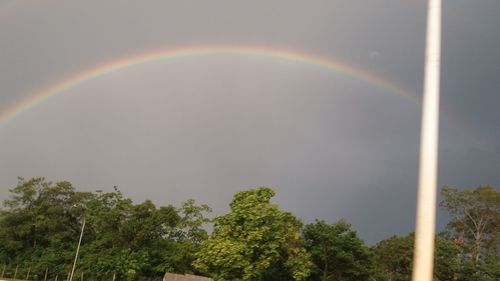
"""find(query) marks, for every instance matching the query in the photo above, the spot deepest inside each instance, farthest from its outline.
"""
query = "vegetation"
(41, 226)
(475, 228)
(394, 258)
(41, 222)
(255, 241)
(337, 252)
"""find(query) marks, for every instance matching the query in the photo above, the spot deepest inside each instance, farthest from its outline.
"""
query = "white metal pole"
(77, 250)
(423, 258)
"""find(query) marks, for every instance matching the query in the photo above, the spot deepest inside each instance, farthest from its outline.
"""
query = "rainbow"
(168, 54)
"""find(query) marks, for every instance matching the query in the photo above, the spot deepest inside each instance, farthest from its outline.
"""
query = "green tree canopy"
(394, 258)
(41, 223)
(475, 219)
(255, 241)
(475, 225)
(337, 252)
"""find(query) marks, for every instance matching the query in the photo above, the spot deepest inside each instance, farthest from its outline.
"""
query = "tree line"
(41, 221)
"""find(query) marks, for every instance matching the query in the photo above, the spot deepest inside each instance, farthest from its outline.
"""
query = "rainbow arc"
(169, 54)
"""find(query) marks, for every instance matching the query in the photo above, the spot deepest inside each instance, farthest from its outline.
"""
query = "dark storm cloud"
(205, 127)
(470, 89)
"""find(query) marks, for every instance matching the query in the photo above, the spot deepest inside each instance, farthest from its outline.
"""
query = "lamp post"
(77, 250)
(423, 258)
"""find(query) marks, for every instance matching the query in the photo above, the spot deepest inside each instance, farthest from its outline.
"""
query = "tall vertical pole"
(28, 275)
(77, 250)
(423, 259)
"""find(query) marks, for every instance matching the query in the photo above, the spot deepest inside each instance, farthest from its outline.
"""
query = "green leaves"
(42, 222)
(337, 252)
(255, 241)
(475, 218)
(40, 226)
(475, 224)
(394, 257)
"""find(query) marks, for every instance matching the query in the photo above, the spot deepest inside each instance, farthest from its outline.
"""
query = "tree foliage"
(255, 241)
(394, 258)
(475, 225)
(337, 252)
(475, 219)
(42, 221)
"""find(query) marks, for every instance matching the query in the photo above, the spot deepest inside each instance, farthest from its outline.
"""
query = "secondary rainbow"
(167, 54)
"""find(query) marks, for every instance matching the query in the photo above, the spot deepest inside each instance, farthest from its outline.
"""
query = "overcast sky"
(332, 145)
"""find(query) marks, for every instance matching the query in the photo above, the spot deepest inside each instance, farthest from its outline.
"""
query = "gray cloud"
(205, 127)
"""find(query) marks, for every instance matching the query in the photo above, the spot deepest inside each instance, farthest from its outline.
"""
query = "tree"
(188, 236)
(40, 224)
(134, 240)
(337, 252)
(192, 221)
(131, 236)
(394, 258)
(255, 241)
(446, 258)
(475, 219)
(40, 227)
(486, 269)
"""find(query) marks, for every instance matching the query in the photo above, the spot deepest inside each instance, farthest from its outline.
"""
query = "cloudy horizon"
(333, 144)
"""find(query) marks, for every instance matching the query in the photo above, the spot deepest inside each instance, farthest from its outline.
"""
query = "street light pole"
(77, 250)
(423, 258)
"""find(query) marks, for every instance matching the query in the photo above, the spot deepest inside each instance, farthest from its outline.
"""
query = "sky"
(334, 143)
